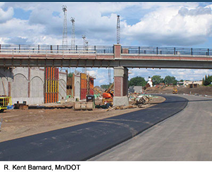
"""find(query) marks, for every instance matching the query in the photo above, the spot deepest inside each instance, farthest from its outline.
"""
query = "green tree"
(137, 81)
(170, 80)
(70, 74)
(105, 86)
(156, 79)
(207, 80)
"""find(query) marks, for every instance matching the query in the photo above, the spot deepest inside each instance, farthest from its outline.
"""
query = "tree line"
(140, 81)
(156, 79)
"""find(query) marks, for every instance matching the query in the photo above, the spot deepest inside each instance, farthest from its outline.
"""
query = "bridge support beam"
(120, 86)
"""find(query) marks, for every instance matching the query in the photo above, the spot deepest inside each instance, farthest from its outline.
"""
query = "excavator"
(108, 95)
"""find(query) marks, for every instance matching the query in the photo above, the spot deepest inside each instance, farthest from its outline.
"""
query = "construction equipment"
(108, 95)
(175, 91)
(142, 99)
(4, 102)
(88, 105)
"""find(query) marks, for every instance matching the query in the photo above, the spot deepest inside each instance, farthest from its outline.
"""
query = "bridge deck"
(148, 58)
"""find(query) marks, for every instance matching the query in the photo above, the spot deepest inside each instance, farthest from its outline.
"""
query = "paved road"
(84, 141)
(186, 136)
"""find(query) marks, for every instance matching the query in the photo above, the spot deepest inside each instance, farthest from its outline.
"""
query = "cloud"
(172, 26)
(163, 24)
(5, 15)
(17, 40)
(194, 12)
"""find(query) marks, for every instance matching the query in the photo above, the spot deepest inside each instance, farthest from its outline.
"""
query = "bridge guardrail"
(11, 51)
(55, 49)
(165, 50)
(79, 49)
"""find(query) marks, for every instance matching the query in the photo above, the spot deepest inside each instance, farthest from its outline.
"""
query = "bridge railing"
(166, 50)
(60, 49)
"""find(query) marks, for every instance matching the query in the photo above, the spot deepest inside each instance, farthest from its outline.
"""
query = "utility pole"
(118, 29)
(65, 37)
(73, 34)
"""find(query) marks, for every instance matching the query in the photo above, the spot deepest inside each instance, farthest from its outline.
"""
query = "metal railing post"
(38, 48)
(139, 50)
(191, 51)
(76, 48)
(95, 48)
(51, 48)
(57, 48)
(208, 52)
(174, 50)
(156, 50)
(144, 51)
(19, 47)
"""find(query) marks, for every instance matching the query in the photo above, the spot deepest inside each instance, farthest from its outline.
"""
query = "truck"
(4, 102)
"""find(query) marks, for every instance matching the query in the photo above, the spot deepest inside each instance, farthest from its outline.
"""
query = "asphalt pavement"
(84, 141)
(186, 136)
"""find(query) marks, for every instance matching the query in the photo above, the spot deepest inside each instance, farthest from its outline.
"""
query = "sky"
(162, 24)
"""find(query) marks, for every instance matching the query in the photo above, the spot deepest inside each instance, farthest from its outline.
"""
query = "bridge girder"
(104, 63)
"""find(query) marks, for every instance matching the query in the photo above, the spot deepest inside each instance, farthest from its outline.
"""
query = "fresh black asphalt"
(84, 141)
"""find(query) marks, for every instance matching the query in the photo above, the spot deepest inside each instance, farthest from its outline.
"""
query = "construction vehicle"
(4, 102)
(175, 91)
(108, 95)
(88, 105)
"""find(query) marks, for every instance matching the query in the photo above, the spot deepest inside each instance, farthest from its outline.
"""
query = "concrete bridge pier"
(120, 86)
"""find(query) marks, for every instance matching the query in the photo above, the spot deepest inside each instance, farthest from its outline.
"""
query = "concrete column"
(117, 51)
(120, 86)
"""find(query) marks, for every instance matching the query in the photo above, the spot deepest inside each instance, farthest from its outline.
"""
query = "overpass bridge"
(119, 57)
(104, 56)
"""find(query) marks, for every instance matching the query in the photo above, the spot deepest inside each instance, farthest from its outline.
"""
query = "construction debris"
(83, 106)
(22, 106)
(142, 99)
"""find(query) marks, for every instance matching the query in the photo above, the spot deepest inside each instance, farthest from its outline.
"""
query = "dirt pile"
(98, 90)
(201, 90)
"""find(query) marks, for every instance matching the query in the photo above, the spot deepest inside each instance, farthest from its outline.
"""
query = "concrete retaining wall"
(27, 84)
